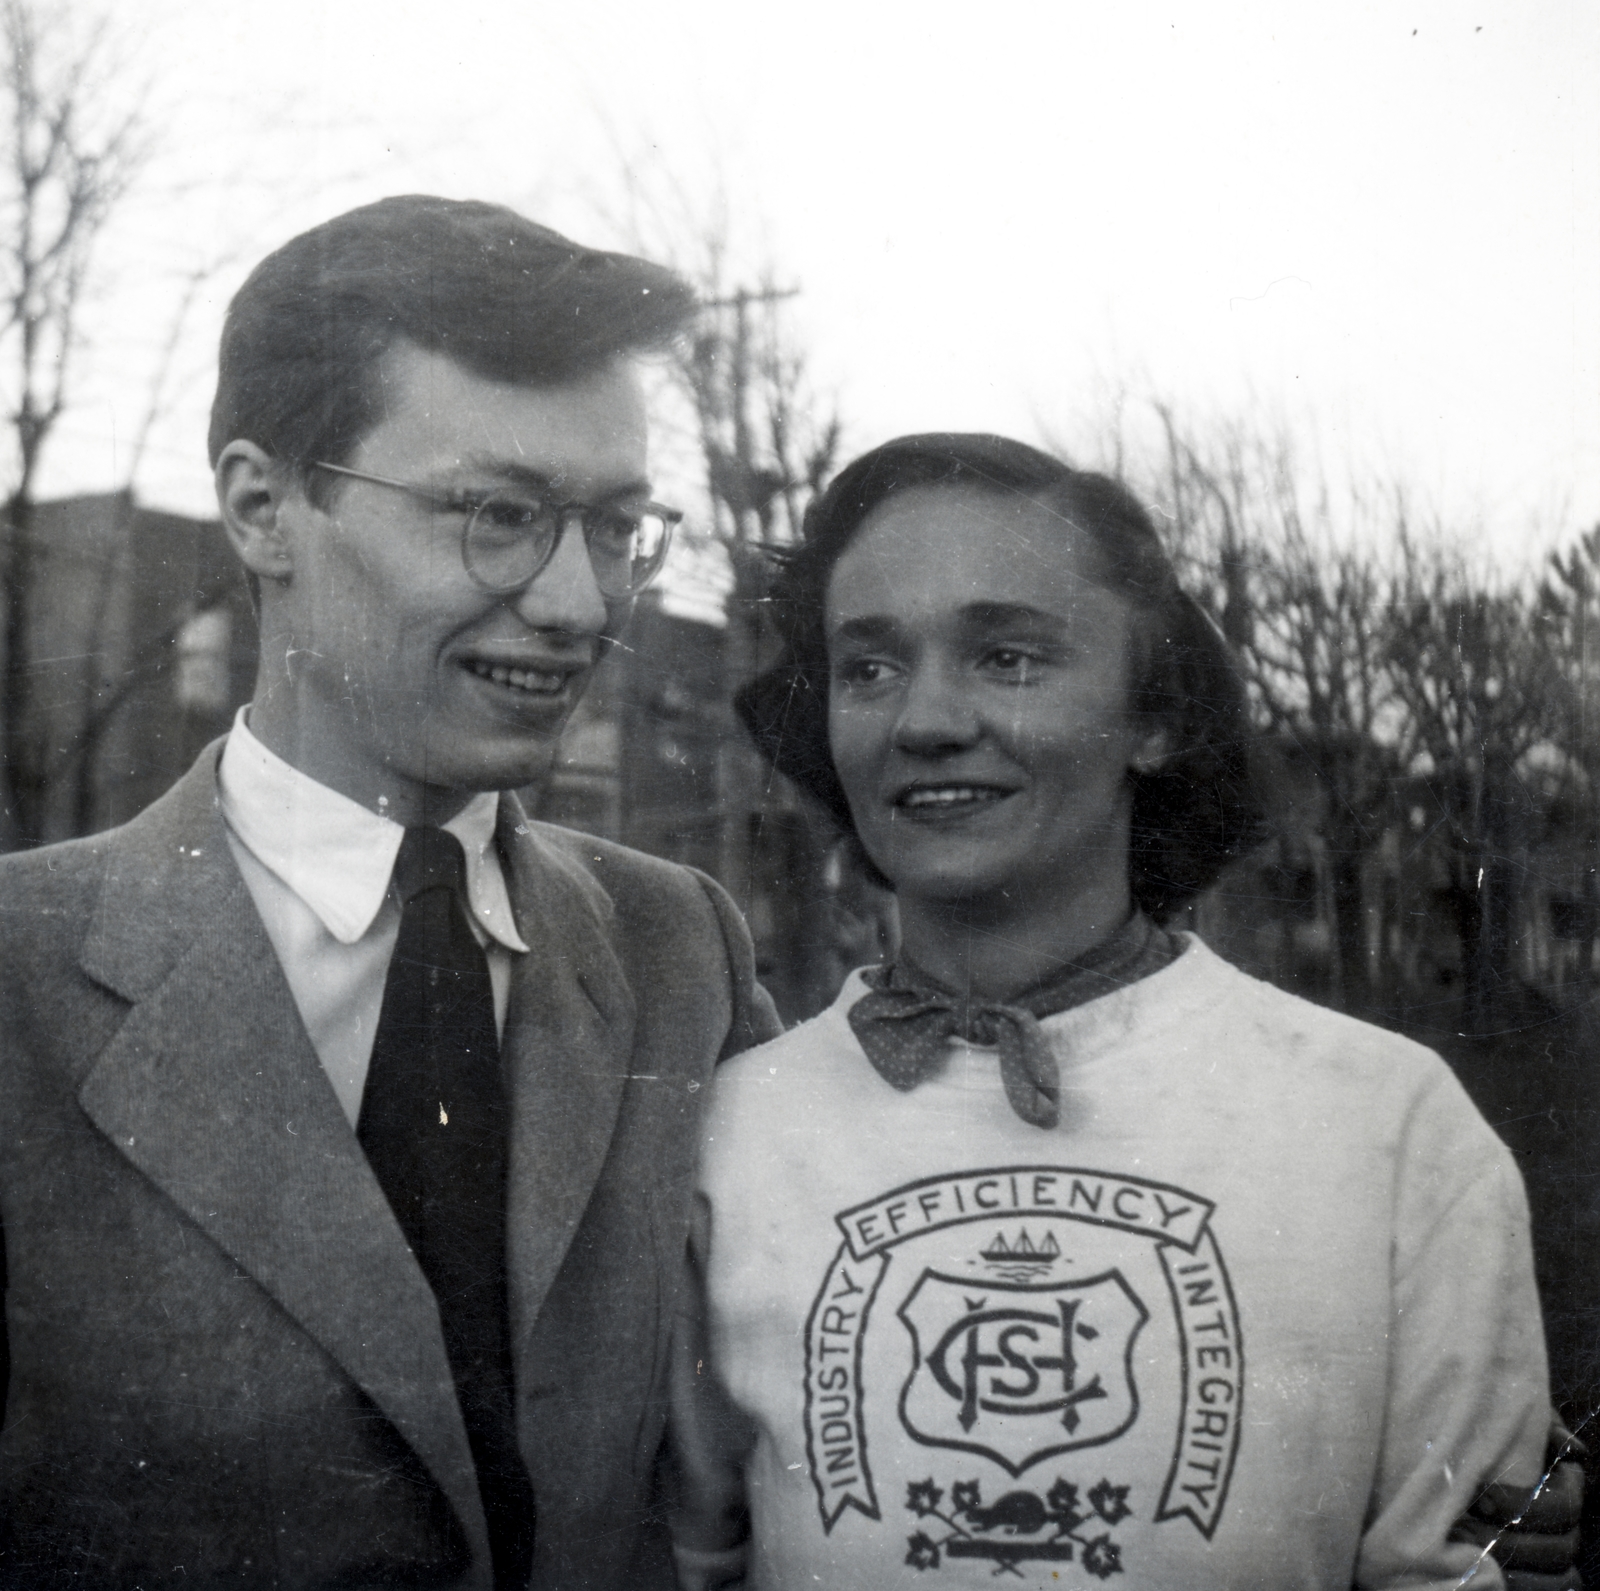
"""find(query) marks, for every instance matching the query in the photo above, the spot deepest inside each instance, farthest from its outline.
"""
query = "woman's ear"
(253, 490)
(1152, 746)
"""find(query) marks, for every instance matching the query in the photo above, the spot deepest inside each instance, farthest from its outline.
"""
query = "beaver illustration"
(1020, 1513)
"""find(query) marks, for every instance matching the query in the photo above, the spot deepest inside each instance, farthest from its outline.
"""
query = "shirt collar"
(337, 856)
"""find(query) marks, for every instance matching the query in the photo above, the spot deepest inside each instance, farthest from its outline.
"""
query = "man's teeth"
(950, 795)
(522, 679)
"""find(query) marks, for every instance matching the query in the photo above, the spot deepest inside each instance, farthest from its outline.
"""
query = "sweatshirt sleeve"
(1468, 1403)
(708, 1441)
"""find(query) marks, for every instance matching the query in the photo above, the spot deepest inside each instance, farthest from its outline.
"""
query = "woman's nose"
(937, 716)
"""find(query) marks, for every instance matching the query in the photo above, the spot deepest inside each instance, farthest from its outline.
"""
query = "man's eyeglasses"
(508, 539)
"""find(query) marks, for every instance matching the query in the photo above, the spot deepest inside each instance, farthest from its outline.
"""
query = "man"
(349, 1116)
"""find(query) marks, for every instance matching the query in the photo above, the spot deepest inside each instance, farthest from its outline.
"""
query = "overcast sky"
(1375, 221)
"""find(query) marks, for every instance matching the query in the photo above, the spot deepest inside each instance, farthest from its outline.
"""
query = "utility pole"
(741, 486)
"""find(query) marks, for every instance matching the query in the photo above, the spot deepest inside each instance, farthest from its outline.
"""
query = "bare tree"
(1568, 612)
(1220, 493)
(1254, 537)
(766, 453)
(1320, 669)
(1477, 686)
(73, 144)
(1407, 685)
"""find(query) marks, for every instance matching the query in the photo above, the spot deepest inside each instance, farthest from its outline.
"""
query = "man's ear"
(253, 492)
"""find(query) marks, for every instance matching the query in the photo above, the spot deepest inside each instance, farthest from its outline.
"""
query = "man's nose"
(938, 715)
(565, 595)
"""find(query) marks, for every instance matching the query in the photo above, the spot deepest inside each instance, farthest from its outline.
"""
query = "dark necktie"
(433, 1124)
(906, 1020)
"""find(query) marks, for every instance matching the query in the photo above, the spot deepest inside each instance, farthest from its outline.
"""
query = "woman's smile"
(949, 800)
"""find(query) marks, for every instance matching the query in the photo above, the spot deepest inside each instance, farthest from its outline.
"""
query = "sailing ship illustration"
(1023, 1258)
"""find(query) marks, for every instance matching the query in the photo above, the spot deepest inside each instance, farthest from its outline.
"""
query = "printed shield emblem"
(1018, 1372)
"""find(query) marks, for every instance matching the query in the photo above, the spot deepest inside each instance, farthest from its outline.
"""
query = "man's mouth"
(532, 681)
(939, 798)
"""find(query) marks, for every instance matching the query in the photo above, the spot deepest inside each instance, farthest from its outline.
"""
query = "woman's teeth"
(950, 795)
(522, 679)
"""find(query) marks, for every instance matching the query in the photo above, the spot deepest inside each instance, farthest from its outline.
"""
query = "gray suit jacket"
(225, 1365)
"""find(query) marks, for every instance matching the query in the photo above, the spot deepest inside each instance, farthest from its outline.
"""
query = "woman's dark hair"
(1194, 813)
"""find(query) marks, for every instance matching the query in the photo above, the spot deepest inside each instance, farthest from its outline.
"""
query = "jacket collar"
(567, 1048)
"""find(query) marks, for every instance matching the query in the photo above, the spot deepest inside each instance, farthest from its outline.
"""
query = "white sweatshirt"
(1259, 1313)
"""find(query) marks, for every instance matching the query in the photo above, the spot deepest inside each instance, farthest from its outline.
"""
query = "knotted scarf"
(906, 1019)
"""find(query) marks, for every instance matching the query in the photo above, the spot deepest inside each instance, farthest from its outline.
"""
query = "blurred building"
(655, 758)
(139, 642)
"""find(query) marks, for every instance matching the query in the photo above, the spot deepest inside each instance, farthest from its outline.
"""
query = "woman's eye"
(1010, 660)
(861, 671)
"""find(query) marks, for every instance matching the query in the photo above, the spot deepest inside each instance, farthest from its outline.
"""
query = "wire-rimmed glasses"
(509, 537)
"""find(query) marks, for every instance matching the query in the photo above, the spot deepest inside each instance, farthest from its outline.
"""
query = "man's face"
(410, 687)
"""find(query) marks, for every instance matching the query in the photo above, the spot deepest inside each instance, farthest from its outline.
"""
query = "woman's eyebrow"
(978, 617)
(998, 615)
(866, 631)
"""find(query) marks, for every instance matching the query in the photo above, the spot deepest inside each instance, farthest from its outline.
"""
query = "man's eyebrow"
(535, 480)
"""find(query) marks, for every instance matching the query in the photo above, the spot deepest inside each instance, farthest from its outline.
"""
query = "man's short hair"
(508, 299)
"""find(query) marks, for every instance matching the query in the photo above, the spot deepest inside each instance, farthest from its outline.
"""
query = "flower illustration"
(1017, 1528)
(1110, 1502)
(1102, 1557)
(1062, 1500)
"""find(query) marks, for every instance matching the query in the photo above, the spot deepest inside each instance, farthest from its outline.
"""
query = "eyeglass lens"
(508, 541)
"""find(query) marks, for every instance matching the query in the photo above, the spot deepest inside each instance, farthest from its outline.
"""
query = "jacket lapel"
(211, 1088)
(567, 1046)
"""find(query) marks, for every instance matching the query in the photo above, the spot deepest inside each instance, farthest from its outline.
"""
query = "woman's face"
(979, 703)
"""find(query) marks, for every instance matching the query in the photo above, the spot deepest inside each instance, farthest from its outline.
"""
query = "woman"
(1057, 1248)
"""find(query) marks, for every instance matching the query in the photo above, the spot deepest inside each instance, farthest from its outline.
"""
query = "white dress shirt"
(318, 867)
